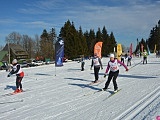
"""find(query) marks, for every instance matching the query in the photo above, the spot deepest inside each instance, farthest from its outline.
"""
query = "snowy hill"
(67, 96)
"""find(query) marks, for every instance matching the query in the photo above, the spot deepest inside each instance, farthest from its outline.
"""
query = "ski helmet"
(112, 55)
(14, 61)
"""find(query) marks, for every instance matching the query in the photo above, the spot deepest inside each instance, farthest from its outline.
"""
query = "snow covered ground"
(63, 93)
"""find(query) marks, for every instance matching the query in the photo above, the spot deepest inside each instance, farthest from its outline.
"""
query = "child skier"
(96, 62)
(19, 73)
(114, 71)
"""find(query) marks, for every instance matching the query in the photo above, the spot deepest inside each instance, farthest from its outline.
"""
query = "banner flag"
(59, 52)
(148, 50)
(98, 49)
(142, 47)
(155, 47)
(130, 50)
(119, 51)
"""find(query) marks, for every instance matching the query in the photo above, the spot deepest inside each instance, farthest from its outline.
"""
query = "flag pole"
(55, 69)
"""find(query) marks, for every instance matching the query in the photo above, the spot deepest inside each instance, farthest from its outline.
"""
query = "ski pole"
(135, 65)
(30, 77)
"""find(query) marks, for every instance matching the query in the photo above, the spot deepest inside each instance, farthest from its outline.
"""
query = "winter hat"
(14, 61)
(95, 54)
(112, 55)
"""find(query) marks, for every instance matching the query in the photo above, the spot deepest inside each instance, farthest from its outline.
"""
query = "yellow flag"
(119, 51)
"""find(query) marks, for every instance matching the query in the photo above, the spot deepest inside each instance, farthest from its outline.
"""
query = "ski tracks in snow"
(139, 106)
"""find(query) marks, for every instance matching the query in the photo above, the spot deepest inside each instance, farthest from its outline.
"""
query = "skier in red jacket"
(19, 73)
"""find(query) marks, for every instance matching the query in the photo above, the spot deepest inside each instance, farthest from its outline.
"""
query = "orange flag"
(98, 48)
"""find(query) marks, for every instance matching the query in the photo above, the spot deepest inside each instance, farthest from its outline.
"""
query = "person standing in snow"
(114, 71)
(122, 57)
(96, 62)
(145, 54)
(129, 58)
(19, 73)
(82, 63)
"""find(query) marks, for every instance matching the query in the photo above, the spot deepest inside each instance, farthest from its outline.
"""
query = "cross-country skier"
(114, 71)
(96, 62)
(145, 54)
(82, 63)
(129, 58)
(19, 73)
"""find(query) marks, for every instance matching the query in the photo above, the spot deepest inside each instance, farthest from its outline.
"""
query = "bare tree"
(14, 37)
(28, 45)
(37, 45)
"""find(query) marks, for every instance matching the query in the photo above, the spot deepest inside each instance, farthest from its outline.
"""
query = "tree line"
(154, 39)
(76, 42)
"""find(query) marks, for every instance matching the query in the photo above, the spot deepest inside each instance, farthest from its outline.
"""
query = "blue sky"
(127, 19)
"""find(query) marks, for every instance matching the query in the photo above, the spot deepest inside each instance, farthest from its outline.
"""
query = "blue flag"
(59, 52)
(148, 50)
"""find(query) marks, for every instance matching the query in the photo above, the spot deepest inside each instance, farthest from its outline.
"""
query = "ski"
(92, 92)
(97, 83)
(11, 101)
(13, 93)
(8, 110)
(113, 93)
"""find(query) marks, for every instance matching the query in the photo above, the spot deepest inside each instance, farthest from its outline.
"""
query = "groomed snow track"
(135, 110)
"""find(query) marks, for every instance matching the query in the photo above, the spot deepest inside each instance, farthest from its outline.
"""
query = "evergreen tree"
(71, 40)
(83, 43)
(92, 41)
(105, 39)
(99, 36)
(112, 42)
(77, 43)
(46, 45)
(154, 38)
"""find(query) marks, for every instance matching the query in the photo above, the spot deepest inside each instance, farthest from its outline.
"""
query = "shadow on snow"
(79, 79)
(43, 74)
(137, 76)
(10, 87)
(85, 86)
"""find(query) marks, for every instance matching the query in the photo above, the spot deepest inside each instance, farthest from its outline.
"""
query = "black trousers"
(122, 60)
(96, 73)
(18, 82)
(82, 66)
(144, 60)
(113, 75)
(129, 61)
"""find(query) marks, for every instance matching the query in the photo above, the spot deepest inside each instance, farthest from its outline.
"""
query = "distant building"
(16, 52)
(3, 55)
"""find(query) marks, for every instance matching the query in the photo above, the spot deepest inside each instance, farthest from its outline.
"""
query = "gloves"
(9, 75)
(105, 75)
(127, 69)
(101, 68)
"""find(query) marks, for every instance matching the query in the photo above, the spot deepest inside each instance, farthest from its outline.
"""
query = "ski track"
(139, 106)
(48, 98)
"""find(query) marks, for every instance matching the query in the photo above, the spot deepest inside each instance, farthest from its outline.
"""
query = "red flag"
(142, 47)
